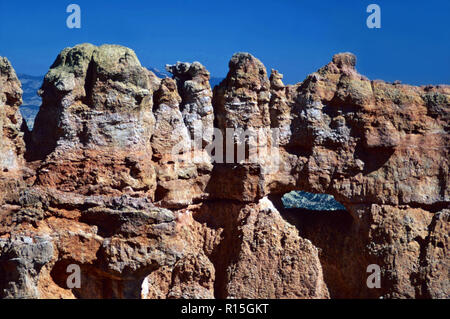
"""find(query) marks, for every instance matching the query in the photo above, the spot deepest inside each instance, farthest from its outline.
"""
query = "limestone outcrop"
(151, 187)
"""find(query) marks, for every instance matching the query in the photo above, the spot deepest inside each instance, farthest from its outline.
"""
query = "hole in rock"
(310, 201)
(337, 235)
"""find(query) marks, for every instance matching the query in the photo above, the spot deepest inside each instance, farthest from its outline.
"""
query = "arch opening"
(310, 201)
(324, 221)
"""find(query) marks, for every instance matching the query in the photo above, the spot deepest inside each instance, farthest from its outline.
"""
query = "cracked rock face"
(369, 141)
(117, 178)
(95, 123)
(196, 105)
(21, 261)
(183, 169)
(242, 99)
(12, 146)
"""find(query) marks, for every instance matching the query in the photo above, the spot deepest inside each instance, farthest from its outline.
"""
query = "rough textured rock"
(12, 145)
(195, 92)
(242, 99)
(95, 123)
(280, 111)
(119, 180)
(270, 260)
(12, 128)
(183, 166)
(21, 261)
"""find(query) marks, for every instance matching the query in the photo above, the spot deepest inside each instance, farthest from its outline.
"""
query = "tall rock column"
(12, 146)
(184, 129)
(242, 99)
(241, 107)
(195, 91)
(96, 122)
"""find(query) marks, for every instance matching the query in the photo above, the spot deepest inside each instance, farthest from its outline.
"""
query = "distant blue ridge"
(31, 101)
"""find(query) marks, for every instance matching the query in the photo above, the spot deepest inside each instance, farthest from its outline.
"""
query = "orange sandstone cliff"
(97, 183)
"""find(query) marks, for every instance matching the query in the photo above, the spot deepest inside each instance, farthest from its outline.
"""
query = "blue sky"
(294, 36)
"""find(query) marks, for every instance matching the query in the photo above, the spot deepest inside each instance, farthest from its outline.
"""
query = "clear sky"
(294, 36)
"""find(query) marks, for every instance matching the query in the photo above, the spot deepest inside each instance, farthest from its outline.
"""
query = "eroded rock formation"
(12, 129)
(119, 178)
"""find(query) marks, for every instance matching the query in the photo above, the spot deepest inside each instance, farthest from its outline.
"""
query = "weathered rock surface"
(21, 261)
(120, 179)
(242, 99)
(291, 267)
(95, 123)
(183, 167)
(12, 146)
(196, 95)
